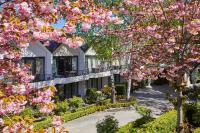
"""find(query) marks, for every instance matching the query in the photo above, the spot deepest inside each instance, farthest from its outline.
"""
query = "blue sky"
(60, 24)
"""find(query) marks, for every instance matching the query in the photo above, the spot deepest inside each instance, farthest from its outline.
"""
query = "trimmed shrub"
(166, 123)
(106, 90)
(76, 102)
(62, 106)
(197, 130)
(93, 96)
(135, 124)
(27, 112)
(143, 111)
(43, 124)
(107, 125)
(68, 116)
(192, 113)
(103, 102)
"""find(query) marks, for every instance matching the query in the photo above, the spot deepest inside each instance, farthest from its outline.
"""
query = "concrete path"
(154, 98)
(87, 124)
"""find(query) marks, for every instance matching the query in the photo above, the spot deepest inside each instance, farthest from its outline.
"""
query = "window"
(36, 66)
(62, 65)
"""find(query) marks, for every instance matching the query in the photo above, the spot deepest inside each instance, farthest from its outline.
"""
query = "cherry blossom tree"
(166, 35)
(23, 22)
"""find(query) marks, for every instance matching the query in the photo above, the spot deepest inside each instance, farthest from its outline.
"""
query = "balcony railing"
(74, 73)
(42, 77)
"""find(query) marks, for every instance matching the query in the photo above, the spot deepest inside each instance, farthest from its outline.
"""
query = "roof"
(53, 45)
(84, 48)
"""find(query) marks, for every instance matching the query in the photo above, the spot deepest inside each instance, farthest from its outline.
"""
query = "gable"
(64, 50)
(90, 52)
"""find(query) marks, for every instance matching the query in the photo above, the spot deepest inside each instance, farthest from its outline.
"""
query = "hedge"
(81, 112)
(166, 123)
(93, 108)
(197, 130)
(43, 124)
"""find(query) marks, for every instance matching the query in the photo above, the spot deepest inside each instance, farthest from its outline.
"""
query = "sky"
(60, 24)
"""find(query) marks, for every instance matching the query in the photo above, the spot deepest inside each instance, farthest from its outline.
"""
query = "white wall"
(38, 50)
(82, 88)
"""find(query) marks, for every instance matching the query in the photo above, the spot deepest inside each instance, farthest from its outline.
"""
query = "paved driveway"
(87, 124)
(154, 98)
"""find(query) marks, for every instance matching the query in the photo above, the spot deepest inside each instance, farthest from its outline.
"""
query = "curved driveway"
(155, 99)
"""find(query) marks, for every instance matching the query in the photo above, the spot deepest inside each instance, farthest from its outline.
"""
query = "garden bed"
(83, 111)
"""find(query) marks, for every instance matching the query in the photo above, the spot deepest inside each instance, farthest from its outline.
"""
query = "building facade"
(72, 71)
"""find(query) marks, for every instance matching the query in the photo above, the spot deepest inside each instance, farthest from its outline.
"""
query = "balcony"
(42, 77)
(42, 80)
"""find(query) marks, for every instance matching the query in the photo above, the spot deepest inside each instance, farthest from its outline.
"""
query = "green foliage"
(197, 130)
(76, 102)
(93, 108)
(68, 116)
(132, 98)
(120, 97)
(27, 112)
(106, 90)
(107, 125)
(93, 96)
(62, 106)
(103, 102)
(104, 45)
(192, 113)
(135, 124)
(197, 77)
(120, 89)
(166, 123)
(43, 124)
(143, 111)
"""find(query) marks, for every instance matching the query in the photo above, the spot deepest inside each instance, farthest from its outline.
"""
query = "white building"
(72, 71)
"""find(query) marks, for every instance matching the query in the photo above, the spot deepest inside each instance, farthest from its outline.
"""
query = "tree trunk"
(180, 113)
(149, 83)
(128, 91)
(113, 87)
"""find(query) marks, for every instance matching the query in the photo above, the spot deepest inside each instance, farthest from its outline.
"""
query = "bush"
(106, 90)
(27, 112)
(76, 102)
(166, 123)
(120, 89)
(62, 106)
(132, 98)
(136, 124)
(104, 102)
(143, 111)
(93, 96)
(67, 116)
(192, 113)
(197, 130)
(107, 125)
(43, 124)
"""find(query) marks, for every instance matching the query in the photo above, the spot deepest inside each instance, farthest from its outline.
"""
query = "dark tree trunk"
(180, 112)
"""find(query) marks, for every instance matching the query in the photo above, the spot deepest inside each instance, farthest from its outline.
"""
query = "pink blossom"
(85, 26)
(76, 10)
(57, 121)
(1, 122)
(70, 28)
